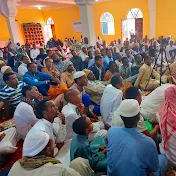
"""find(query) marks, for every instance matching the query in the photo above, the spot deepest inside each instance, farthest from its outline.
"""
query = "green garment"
(80, 147)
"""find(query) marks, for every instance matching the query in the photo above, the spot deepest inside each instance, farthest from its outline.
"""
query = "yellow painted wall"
(119, 10)
(63, 21)
(166, 18)
(23, 16)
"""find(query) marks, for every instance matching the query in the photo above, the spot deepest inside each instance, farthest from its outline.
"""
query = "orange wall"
(63, 21)
(166, 18)
(23, 16)
(119, 10)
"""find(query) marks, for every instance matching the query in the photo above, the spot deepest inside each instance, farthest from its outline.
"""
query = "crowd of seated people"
(112, 102)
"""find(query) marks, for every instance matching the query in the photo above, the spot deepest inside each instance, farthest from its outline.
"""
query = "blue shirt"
(130, 152)
(91, 62)
(106, 61)
(37, 79)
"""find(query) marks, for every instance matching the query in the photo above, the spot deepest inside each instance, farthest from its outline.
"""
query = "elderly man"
(127, 141)
(38, 151)
(83, 54)
(80, 81)
(67, 75)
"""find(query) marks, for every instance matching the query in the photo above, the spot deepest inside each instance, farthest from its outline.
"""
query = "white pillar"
(87, 19)
(9, 11)
(152, 13)
(13, 30)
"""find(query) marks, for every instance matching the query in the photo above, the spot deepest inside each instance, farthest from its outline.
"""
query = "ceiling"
(49, 4)
(45, 4)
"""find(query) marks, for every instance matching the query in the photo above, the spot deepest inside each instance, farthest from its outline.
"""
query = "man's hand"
(56, 80)
(81, 108)
(62, 118)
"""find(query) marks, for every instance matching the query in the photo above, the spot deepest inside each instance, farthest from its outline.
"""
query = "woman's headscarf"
(167, 114)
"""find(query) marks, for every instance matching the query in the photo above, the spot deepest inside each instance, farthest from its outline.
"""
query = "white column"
(13, 30)
(9, 11)
(87, 19)
(152, 13)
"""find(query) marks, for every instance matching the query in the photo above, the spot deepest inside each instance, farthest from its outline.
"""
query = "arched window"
(107, 24)
(49, 21)
(134, 13)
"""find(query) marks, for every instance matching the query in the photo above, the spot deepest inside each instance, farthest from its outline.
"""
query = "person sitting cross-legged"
(40, 80)
(80, 146)
(131, 152)
(38, 159)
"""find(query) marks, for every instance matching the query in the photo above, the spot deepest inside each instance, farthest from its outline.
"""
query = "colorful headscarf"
(167, 114)
(86, 71)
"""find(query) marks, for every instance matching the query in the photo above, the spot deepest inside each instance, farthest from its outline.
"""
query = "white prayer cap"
(78, 74)
(84, 46)
(34, 143)
(129, 108)
(4, 68)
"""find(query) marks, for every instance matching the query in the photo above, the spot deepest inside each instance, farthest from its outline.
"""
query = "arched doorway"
(133, 25)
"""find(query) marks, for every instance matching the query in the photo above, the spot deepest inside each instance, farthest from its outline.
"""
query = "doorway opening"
(132, 27)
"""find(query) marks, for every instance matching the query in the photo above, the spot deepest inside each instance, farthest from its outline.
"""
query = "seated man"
(10, 95)
(97, 68)
(80, 146)
(134, 93)
(74, 110)
(67, 75)
(80, 81)
(136, 64)
(144, 80)
(40, 80)
(126, 72)
(49, 123)
(107, 59)
(38, 158)
(25, 113)
(111, 99)
(77, 61)
(94, 88)
(22, 69)
(127, 141)
(152, 102)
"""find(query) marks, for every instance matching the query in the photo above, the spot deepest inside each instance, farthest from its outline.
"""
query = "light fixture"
(39, 7)
(96, 0)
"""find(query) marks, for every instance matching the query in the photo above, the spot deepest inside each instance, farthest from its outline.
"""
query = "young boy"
(80, 147)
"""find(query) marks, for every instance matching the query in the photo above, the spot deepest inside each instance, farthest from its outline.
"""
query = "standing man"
(130, 151)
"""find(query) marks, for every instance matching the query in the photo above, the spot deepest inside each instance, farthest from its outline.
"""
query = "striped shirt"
(12, 95)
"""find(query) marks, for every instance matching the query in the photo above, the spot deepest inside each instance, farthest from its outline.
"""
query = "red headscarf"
(167, 114)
